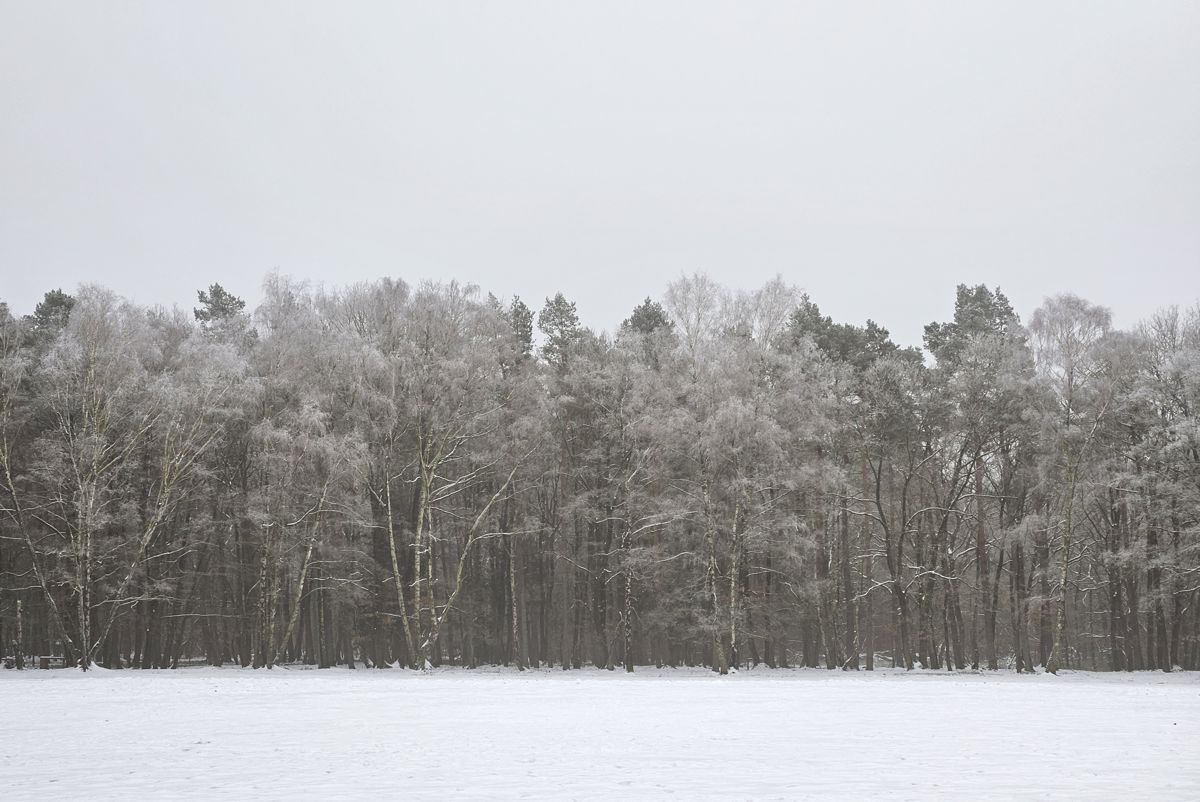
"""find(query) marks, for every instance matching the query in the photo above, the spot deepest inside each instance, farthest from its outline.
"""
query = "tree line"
(394, 475)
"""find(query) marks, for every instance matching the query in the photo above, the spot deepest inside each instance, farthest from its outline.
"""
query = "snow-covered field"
(454, 734)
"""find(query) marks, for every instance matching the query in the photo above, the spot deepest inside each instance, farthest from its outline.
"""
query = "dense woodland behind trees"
(386, 475)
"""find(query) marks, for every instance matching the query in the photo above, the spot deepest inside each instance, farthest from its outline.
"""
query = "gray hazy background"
(875, 154)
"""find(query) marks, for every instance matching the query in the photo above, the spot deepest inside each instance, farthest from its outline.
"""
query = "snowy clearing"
(302, 734)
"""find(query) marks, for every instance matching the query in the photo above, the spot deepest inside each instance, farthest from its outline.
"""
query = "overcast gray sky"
(875, 154)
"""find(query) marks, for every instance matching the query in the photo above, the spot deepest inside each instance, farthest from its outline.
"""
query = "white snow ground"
(456, 734)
